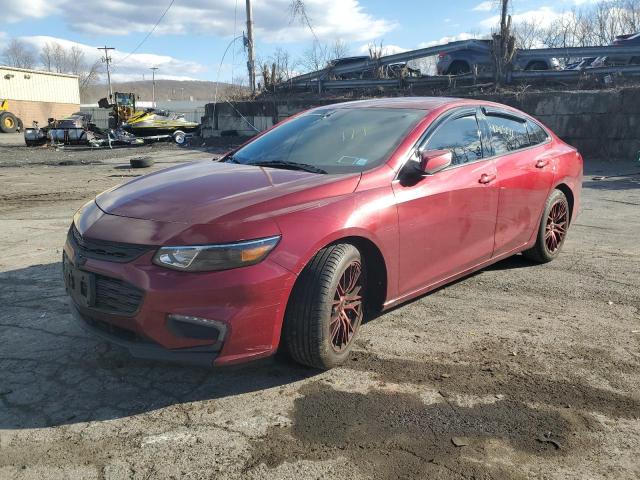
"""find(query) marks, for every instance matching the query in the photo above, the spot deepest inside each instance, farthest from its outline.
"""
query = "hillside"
(165, 90)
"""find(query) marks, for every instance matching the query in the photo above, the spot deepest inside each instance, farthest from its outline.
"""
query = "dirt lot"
(534, 371)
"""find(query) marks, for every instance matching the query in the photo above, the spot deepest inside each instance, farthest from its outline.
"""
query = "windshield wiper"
(289, 165)
(230, 159)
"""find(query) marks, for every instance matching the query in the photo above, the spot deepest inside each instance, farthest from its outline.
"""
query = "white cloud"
(484, 6)
(130, 68)
(542, 16)
(443, 40)
(15, 11)
(386, 49)
(345, 19)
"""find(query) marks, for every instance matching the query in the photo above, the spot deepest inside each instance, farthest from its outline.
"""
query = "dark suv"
(462, 61)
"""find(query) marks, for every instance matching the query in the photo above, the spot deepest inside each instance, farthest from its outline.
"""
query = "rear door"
(447, 220)
(524, 164)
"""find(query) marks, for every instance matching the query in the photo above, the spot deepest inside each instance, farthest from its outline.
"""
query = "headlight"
(204, 258)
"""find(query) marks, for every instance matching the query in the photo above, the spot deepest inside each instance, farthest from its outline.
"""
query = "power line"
(148, 34)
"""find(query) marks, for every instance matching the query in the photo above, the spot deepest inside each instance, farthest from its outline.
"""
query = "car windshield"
(332, 140)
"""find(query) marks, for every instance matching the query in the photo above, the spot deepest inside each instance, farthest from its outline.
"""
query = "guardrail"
(446, 79)
(319, 79)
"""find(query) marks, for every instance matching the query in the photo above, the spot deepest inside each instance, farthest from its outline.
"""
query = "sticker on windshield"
(360, 162)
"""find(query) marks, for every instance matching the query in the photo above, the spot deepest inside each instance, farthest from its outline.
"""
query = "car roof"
(416, 103)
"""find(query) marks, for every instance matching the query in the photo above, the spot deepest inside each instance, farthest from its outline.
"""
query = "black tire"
(307, 331)
(141, 162)
(20, 125)
(458, 68)
(541, 252)
(8, 122)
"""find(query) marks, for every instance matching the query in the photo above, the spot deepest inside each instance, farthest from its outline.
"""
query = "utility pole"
(153, 86)
(107, 59)
(249, 44)
(503, 45)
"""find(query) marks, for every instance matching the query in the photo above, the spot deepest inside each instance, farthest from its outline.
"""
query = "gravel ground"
(519, 371)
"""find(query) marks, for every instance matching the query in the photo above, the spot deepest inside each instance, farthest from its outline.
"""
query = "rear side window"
(537, 135)
(507, 134)
(461, 136)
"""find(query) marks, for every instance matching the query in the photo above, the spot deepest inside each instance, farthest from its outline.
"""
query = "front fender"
(371, 215)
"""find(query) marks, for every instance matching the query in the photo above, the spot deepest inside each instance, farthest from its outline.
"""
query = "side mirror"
(433, 161)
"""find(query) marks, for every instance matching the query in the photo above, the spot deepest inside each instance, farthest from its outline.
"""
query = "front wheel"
(552, 230)
(326, 308)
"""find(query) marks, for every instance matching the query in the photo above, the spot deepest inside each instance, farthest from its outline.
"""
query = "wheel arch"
(457, 65)
(377, 265)
(564, 188)
(377, 275)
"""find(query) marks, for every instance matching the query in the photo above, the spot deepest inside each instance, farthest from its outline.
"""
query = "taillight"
(442, 55)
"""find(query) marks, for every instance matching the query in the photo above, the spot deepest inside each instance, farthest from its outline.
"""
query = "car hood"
(204, 192)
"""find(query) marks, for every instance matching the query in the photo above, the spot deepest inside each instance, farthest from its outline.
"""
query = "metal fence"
(321, 79)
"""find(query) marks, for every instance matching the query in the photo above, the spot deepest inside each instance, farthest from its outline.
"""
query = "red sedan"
(288, 241)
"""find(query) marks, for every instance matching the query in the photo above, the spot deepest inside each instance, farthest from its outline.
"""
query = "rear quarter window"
(537, 135)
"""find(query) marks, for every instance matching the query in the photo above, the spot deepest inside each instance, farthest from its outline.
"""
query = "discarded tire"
(141, 162)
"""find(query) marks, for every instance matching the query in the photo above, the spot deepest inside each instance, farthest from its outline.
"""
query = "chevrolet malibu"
(340, 212)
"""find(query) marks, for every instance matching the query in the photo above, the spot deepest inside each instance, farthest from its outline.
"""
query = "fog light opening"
(197, 328)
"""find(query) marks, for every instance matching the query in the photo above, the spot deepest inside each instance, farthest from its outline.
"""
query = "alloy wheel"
(556, 227)
(346, 311)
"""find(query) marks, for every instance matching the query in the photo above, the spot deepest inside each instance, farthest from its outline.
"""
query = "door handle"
(487, 178)
(542, 163)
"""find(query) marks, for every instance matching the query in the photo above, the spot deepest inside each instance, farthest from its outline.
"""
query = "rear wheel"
(179, 137)
(552, 230)
(326, 308)
(8, 122)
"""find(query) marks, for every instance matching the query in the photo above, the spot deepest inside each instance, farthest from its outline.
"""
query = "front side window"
(461, 136)
(335, 140)
(507, 134)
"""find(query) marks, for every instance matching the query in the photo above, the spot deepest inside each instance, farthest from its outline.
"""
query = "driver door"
(447, 220)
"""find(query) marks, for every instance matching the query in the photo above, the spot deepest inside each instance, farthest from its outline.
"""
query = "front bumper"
(140, 347)
(247, 304)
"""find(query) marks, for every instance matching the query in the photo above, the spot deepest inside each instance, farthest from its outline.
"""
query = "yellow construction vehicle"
(9, 123)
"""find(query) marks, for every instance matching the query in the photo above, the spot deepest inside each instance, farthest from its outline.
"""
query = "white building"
(37, 95)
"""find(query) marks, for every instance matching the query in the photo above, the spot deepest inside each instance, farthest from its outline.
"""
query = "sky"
(191, 39)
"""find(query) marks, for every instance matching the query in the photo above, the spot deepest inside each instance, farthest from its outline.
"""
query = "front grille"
(105, 250)
(116, 296)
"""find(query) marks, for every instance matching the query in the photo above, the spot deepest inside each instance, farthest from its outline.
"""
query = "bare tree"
(19, 54)
(55, 58)
(46, 57)
(315, 57)
(529, 34)
(60, 59)
(298, 11)
(338, 49)
(376, 52)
